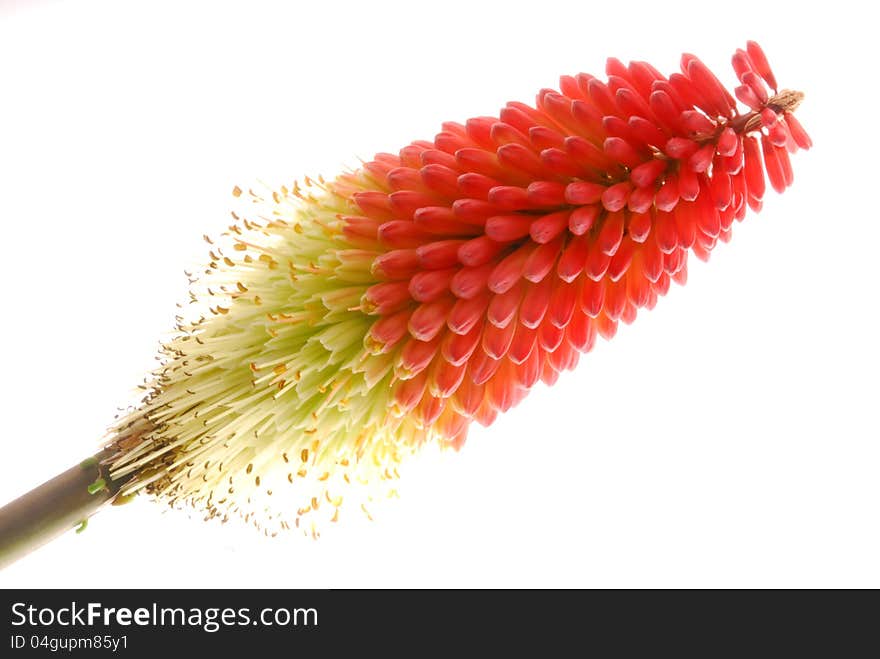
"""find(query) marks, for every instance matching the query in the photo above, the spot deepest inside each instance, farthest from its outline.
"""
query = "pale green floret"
(267, 403)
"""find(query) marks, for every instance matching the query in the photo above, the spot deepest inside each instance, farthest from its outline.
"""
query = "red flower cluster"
(509, 243)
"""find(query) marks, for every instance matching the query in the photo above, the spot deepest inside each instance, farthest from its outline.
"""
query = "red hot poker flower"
(436, 286)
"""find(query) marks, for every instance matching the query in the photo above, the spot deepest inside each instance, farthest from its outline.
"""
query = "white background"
(727, 438)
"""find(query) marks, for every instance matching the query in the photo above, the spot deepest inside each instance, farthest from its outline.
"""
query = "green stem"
(56, 506)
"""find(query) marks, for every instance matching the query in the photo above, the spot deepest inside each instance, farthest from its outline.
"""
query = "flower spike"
(340, 326)
(348, 323)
